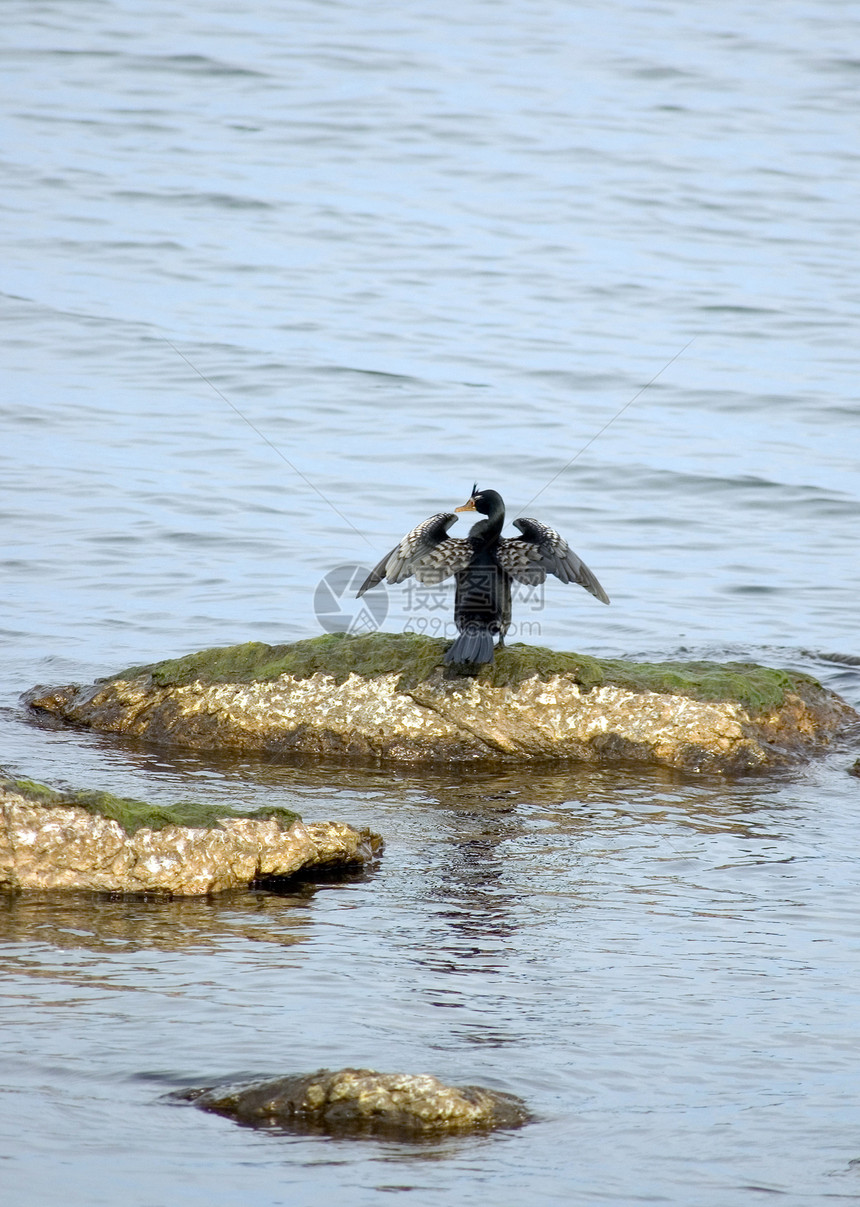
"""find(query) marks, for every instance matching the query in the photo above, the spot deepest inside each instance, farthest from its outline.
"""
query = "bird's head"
(484, 501)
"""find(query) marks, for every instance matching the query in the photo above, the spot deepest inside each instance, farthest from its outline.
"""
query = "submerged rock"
(386, 695)
(50, 840)
(364, 1103)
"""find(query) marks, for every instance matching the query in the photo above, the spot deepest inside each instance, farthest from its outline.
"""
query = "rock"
(854, 769)
(62, 845)
(361, 1102)
(385, 696)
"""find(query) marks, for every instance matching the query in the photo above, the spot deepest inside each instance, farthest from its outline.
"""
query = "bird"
(483, 564)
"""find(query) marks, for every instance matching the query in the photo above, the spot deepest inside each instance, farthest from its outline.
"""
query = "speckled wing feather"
(541, 551)
(427, 552)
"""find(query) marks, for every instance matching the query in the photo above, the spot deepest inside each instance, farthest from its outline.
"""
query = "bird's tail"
(473, 645)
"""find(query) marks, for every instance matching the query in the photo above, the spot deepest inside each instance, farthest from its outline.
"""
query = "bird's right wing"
(427, 552)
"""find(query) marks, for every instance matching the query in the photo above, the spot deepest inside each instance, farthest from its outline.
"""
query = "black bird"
(483, 563)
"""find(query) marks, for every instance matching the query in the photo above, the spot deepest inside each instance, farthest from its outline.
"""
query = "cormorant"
(483, 564)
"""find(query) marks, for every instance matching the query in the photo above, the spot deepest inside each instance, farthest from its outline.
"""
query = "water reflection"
(114, 925)
(479, 861)
(472, 901)
(455, 788)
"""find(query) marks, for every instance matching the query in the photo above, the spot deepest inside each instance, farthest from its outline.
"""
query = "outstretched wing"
(427, 552)
(541, 551)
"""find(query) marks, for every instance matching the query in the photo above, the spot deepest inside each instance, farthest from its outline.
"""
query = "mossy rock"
(133, 815)
(389, 696)
(414, 657)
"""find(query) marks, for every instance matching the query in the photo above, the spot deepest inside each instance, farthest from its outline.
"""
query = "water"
(411, 249)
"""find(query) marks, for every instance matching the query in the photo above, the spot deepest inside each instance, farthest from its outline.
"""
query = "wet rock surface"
(63, 846)
(361, 1102)
(733, 718)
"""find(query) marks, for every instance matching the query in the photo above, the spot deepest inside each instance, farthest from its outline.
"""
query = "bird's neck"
(485, 532)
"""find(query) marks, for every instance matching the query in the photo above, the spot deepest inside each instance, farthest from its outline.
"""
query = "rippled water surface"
(277, 283)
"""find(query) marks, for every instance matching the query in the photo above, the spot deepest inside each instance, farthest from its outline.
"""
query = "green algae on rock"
(411, 656)
(68, 840)
(133, 815)
(386, 696)
(415, 657)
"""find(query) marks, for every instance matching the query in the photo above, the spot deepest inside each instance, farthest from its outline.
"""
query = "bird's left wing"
(427, 552)
(541, 551)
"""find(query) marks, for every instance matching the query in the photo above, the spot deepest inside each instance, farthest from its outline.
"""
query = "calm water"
(410, 249)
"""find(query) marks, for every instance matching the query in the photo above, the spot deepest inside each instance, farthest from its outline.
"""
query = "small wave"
(839, 659)
(227, 201)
